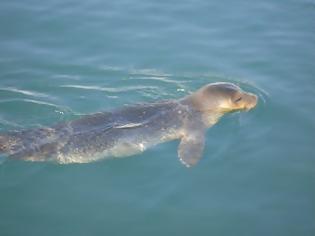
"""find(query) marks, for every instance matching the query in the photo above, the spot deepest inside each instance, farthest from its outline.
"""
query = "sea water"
(63, 59)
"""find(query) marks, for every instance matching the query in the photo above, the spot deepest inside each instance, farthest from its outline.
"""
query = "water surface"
(61, 59)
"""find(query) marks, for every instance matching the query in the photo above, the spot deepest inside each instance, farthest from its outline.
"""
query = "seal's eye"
(239, 99)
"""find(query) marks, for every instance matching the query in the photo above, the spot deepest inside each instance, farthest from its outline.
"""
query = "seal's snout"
(251, 101)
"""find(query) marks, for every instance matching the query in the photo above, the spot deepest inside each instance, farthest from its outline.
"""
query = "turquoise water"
(61, 59)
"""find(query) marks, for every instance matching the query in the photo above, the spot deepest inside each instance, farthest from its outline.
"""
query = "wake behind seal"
(131, 130)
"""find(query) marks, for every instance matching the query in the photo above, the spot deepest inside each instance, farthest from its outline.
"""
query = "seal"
(132, 129)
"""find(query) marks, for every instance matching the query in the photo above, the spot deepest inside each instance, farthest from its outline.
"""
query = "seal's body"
(131, 130)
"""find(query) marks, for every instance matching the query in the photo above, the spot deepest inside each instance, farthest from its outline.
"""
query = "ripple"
(29, 101)
(108, 89)
(159, 79)
(24, 92)
(9, 123)
(133, 71)
(59, 108)
(65, 76)
(111, 68)
(149, 72)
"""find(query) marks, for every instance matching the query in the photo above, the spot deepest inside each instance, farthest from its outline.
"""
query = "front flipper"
(191, 148)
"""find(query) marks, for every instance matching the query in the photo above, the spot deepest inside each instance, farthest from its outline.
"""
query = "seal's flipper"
(191, 148)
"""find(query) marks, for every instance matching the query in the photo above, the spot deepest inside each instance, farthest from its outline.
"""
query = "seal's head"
(222, 98)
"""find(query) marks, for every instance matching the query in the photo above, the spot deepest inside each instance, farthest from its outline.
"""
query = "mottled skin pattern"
(110, 134)
(131, 130)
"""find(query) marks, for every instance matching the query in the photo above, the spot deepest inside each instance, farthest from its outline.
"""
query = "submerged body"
(124, 132)
(110, 134)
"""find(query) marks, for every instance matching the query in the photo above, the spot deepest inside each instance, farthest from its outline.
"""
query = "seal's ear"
(191, 148)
